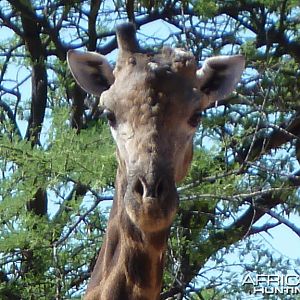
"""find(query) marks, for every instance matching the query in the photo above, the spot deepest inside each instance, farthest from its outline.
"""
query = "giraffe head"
(153, 102)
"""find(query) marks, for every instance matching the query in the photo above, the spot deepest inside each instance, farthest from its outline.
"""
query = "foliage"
(57, 157)
(52, 242)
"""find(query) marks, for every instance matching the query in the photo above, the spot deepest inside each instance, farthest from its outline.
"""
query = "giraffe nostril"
(139, 188)
(151, 189)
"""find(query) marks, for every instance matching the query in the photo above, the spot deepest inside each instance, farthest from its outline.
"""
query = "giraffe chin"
(149, 215)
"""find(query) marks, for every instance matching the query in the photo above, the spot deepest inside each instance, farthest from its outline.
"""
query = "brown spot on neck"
(159, 240)
(138, 267)
(131, 232)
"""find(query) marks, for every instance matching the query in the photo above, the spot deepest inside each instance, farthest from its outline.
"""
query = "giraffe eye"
(195, 119)
(110, 117)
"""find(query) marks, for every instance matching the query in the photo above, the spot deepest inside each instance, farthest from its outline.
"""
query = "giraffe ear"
(219, 75)
(91, 71)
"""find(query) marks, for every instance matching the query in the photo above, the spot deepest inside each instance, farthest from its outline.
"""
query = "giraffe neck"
(130, 263)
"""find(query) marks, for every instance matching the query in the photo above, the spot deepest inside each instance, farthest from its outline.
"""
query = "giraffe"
(153, 102)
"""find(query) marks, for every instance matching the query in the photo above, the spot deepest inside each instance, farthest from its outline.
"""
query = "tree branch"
(284, 221)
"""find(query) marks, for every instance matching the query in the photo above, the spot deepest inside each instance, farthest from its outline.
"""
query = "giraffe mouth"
(152, 214)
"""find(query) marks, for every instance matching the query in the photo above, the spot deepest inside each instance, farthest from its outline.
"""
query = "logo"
(269, 284)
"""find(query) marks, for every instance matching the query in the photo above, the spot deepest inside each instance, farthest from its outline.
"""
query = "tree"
(56, 154)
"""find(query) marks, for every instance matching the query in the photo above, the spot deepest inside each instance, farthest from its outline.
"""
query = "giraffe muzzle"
(151, 201)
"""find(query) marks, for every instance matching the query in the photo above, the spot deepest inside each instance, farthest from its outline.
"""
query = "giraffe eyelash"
(111, 117)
